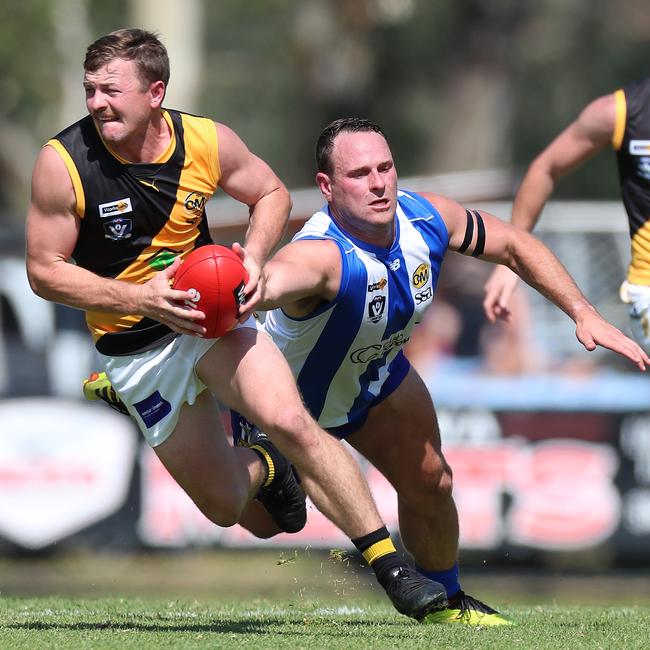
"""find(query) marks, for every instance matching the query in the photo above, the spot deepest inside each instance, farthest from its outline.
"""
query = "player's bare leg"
(402, 440)
(258, 521)
(220, 479)
(248, 373)
(279, 490)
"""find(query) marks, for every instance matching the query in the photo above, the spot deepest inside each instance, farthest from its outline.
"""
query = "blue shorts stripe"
(399, 369)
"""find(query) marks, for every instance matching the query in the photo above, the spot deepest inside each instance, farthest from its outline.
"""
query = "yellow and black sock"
(380, 553)
(274, 462)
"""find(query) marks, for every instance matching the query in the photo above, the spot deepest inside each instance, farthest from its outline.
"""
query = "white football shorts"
(637, 298)
(155, 384)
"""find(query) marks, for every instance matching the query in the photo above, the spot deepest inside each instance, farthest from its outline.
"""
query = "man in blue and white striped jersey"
(345, 295)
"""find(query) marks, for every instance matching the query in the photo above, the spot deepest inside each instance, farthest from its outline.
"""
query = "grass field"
(280, 600)
(153, 623)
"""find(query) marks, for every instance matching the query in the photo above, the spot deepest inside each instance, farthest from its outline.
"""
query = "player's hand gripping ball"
(215, 276)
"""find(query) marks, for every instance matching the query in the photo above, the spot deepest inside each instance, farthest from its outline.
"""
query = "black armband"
(480, 235)
(469, 234)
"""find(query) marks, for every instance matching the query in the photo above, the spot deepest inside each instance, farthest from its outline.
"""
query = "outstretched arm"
(52, 230)
(485, 236)
(590, 133)
(301, 276)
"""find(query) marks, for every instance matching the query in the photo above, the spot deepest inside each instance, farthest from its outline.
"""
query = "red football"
(216, 277)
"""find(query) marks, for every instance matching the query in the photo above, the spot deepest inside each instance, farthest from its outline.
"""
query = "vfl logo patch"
(640, 147)
(643, 167)
(377, 286)
(118, 228)
(153, 409)
(376, 308)
(421, 275)
(115, 208)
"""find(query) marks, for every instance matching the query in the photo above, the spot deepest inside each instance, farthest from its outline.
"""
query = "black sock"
(379, 552)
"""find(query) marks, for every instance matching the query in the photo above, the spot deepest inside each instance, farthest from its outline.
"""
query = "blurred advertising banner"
(64, 466)
(526, 483)
(539, 481)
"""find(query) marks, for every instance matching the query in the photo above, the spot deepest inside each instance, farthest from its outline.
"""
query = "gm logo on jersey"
(195, 202)
(115, 208)
(640, 147)
(421, 275)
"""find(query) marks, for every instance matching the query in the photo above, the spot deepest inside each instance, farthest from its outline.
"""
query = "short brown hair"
(326, 139)
(136, 45)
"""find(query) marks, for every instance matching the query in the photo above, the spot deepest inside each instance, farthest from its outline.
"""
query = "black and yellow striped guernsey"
(632, 144)
(136, 218)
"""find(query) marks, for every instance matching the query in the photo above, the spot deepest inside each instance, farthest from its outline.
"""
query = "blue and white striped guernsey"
(345, 352)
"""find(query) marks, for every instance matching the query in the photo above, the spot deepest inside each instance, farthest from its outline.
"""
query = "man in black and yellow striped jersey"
(118, 200)
(620, 120)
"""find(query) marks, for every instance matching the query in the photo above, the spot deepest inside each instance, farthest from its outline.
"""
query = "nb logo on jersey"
(118, 228)
(376, 308)
(394, 265)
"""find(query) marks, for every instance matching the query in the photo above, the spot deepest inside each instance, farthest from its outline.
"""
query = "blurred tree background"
(457, 85)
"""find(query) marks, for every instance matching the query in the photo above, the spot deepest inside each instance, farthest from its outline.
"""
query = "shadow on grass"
(279, 626)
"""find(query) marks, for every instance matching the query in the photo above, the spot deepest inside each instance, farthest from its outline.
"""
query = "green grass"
(153, 623)
(284, 599)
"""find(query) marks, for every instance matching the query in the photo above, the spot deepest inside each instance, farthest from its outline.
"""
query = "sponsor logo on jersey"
(195, 204)
(379, 350)
(640, 147)
(151, 183)
(153, 409)
(162, 259)
(643, 167)
(421, 275)
(122, 206)
(394, 265)
(118, 228)
(423, 296)
(377, 286)
(376, 308)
